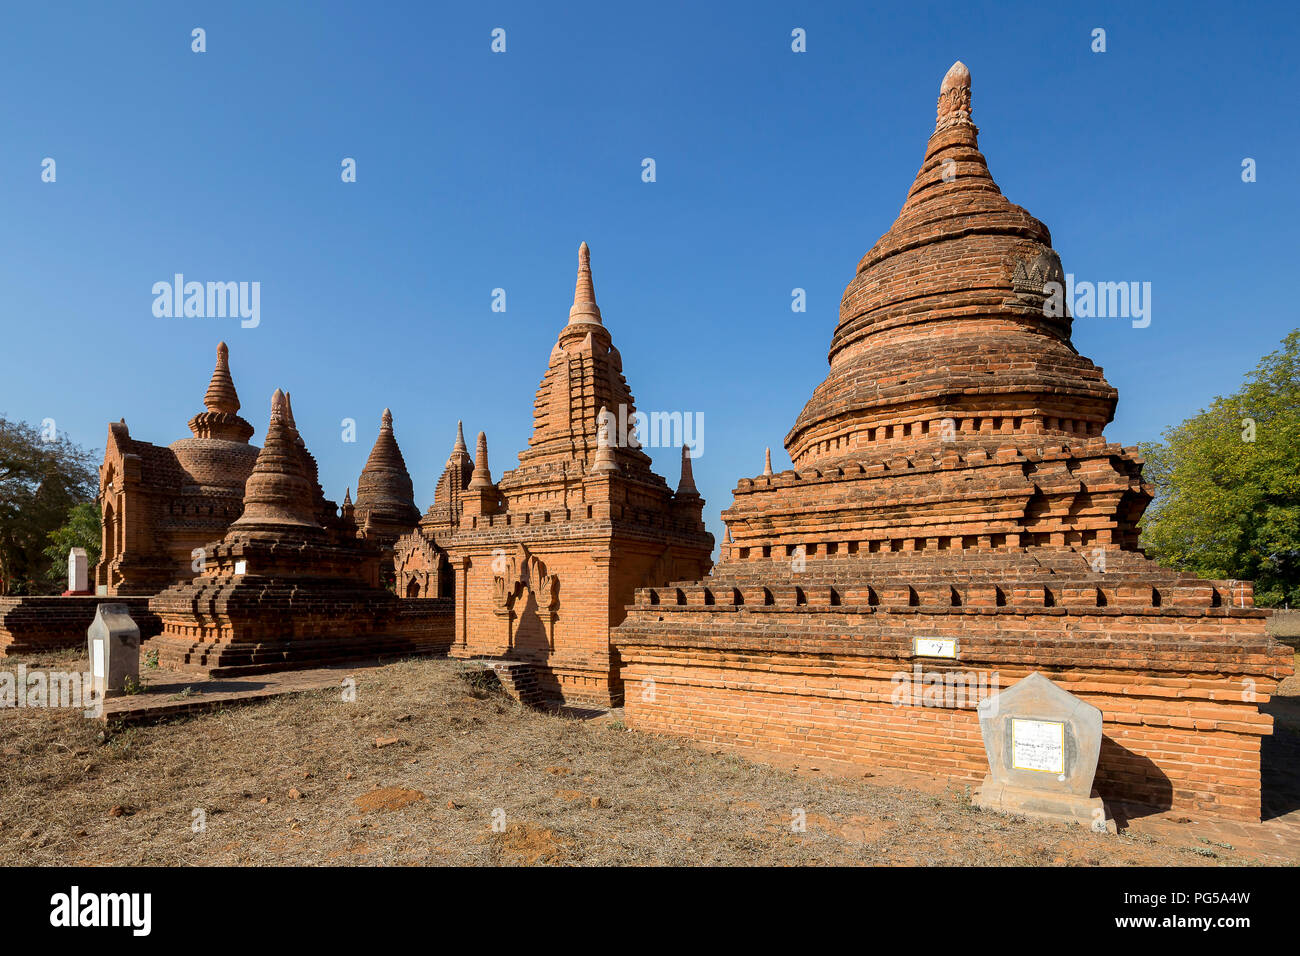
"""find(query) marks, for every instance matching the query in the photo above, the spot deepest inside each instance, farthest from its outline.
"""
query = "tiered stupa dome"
(943, 333)
(219, 455)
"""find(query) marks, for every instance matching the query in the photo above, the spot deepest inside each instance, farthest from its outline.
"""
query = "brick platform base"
(418, 627)
(1179, 688)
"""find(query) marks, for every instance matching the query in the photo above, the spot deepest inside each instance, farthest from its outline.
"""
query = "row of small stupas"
(955, 520)
(162, 504)
(541, 564)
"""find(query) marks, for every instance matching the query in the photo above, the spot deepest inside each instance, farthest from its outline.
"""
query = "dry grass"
(572, 792)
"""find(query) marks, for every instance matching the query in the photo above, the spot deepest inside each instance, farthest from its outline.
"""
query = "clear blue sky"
(478, 170)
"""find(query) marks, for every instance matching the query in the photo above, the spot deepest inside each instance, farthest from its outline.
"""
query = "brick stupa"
(546, 559)
(290, 584)
(951, 480)
(385, 505)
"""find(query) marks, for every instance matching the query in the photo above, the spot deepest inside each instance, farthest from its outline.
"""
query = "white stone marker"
(78, 571)
(114, 645)
(1042, 743)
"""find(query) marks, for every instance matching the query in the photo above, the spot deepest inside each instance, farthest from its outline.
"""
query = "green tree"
(81, 530)
(42, 475)
(1227, 484)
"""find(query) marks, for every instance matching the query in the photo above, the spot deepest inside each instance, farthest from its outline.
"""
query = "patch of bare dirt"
(498, 784)
(387, 798)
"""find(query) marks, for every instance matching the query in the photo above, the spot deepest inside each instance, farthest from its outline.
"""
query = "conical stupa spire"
(278, 492)
(686, 487)
(347, 496)
(482, 477)
(385, 490)
(459, 447)
(221, 395)
(767, 461)
(584, 310)
(905, 292)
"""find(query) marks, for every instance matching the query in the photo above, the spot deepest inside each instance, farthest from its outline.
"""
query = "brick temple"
(545, 560)
(952, 481)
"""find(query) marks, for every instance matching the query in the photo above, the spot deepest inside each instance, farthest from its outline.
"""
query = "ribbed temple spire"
(459, 447)
(221, 395)
(584, 310)
(482, 477)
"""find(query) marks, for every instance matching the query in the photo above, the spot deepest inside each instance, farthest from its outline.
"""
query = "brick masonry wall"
(1179, 690)
(33, 624)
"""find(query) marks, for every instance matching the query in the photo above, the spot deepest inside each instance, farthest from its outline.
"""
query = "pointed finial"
(584, 310)
(482, 477)
(347, 496)
(954, 98)
(686, 486)
(221, 395)
(279, 407)
(460, 440)
(387, 420)
(767, 461)
(292, 422)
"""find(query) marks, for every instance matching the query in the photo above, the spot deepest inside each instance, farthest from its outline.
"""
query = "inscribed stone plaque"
(1038, 745)
(1042, 743)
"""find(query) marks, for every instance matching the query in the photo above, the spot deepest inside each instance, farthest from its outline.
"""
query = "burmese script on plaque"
(1038, 745)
